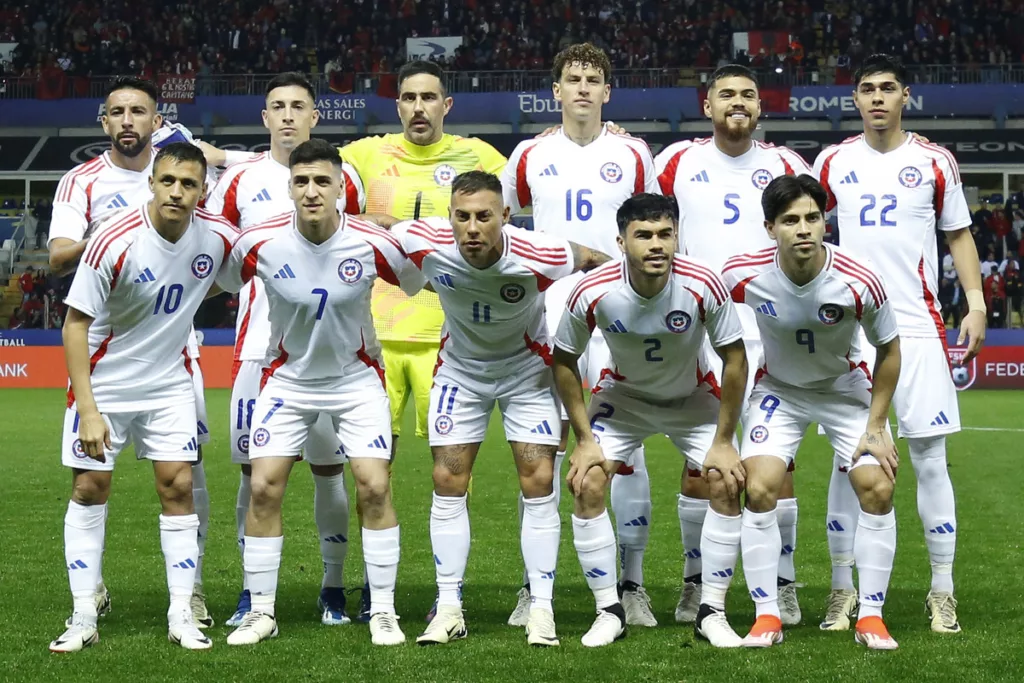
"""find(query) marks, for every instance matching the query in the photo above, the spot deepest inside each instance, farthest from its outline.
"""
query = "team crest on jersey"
(243, 443)
(911, 177)
(443, 425)
(444, 175)
(77, 450)
(761, 178)
(963, 375)
(260, 438)
(759, 434)
(830, 314)
(512, 292)
(611, 172)
(202, 266)
(350, 270)
(678, 321)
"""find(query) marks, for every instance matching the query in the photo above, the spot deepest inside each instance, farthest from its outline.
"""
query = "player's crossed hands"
(94, 435)
(723, 458)
(587, 454)
(878, 443)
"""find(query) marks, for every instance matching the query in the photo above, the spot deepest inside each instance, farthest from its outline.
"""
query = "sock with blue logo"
(201, 501)
(937, 507)
(595, 546)
(449, 537)
(241, 509)
(262, 563)
(787, 515)
(631, 504)
(381, 550)
(84, 531)
(330, 510)
(874, 547)
(692, 512)
(179, 540)
(719, 548)
(762, 546)
(843, 508)
(542, 531)
(556, 486)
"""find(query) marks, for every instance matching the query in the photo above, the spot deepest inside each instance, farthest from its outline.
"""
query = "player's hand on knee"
(723, 458)
(879, 445)
(95, 435)
(586, 455)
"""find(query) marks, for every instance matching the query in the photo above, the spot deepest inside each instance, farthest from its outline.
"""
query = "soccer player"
(317, 267)
(130, 310)
(250, 193)
(810, 299)
(891, 192)
(576, 179)
(490, 278)
(90, 195)
(656, 306)
(718, 182)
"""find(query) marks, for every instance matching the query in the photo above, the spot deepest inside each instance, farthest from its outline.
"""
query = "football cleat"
(689, 603)
(255, 627)
(102, 604)
(200, 615)
(841, 610)
(637, 605)
(331, 604)
(871, 631)
(243, 608)
(432, 612)
(384, 629)
(182, 630)
(941, 609)
(364, 603)
(521, 614)
(540, 629)
(80, 634)
(767, 631)
(713, 626)
(609, 626)
(447, 625)
(789, 608)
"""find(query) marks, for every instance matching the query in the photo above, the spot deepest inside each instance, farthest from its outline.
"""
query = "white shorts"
(621, 423)
(461, 406)
(166, 434)
(244, 392)
(754, 351)
(777, 416)
(359, 415)
(925, 400)
(202, 424)
(596, 356)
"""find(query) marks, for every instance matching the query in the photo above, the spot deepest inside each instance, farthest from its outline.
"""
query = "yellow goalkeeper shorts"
(409, 369)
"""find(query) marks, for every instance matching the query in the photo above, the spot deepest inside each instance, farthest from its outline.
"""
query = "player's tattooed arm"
(585, 259)
(877, 441)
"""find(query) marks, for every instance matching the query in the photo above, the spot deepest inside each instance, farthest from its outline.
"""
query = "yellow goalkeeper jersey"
(410, 181)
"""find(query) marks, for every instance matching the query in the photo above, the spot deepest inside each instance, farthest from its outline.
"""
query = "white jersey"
(889, 206)
(494, 317)
(320, 326)
(810, 333)
(576, 191)
(655, 343)
(249, 193)
(142, 293)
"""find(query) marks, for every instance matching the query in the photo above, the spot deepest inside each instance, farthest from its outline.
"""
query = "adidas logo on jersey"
(701, 177)
(263, 196)
(187, 563)
(145, 276)
(542, 428)
(940, 420)
(445, 280)
(946, 528)
(616, 327)
(192, 445)
(393, 171)
(286, 273)
(850, 179)
(379, 442)
(768, 309)
(550, 170)
(118, 202)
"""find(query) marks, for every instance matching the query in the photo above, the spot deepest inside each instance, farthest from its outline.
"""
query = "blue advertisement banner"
(666, 104)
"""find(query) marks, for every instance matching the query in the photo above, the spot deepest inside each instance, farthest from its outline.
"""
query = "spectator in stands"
(995, 300)
(27, 283)
(16, 320)
(1018, 224)
(1010, 259)
(989, 265)
(1013, 285)
(33, 311)
(39, 283)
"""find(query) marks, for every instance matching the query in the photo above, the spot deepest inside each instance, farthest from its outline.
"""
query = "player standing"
(656, 306)
(718, 182)
(490, 278)
(810, 300)
(130, 311)
(88, 196)
(891, 192)
(250, 193)
(576, 179)
(317, 267)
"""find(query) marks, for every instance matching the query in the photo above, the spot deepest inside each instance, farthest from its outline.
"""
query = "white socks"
(631, 504)
(330, 509)
(262, 562)
(787, 513)
(179, 541)
(241, 509)
(84, 527)
(874, 548)
(762, 545)
(843, 509)
(556, 487)
(936, 507)
(381, 552)
(595, 546)
(541, 532)
(719, 548)
(201, 501)
(450, 539)
(692, 512)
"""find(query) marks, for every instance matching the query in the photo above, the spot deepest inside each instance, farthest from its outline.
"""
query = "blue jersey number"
(653, 346)
(169, 297)
(768, 404)
(735, 217)
(322, 293)
(583, 210)
(481, 312)
(244, 413)
(888, 204)
(805, 338)
(270, 413)
(607, 410)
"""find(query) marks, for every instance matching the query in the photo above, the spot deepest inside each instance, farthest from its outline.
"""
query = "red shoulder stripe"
(371, 229)
(102, 242)
(710, 277)
(588, 283)
(530, 246)
(548, 260)
(67, 183)
(523, 193)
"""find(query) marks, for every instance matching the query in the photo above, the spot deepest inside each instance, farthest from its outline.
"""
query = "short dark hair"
(291, 78)
(584, 54)
(417, 67)
(645, 207)
(472, 182)
(181, 152)
(786, 189)
(133, 83)
(880, 64)
(314, 149)
(730, 71)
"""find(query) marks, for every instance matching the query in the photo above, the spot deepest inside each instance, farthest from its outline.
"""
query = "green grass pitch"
(34, 597)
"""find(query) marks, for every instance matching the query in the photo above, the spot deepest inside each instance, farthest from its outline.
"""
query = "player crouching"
(809, 299)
